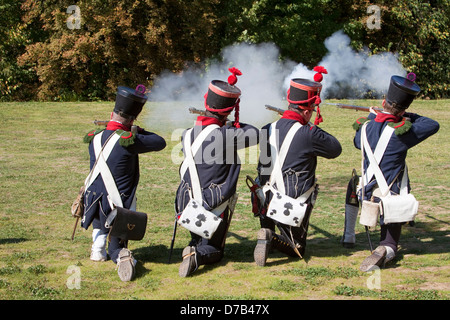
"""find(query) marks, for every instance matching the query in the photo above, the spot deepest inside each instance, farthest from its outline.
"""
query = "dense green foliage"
(128, 42)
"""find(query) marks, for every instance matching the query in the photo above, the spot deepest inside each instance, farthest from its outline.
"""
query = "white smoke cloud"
(265, 79)
(352, 74)
(261, 82)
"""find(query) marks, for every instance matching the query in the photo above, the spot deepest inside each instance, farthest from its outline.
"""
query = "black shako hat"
(224, 96)
(305, 94)
(402, 91)
(221, 95)
(129, 102)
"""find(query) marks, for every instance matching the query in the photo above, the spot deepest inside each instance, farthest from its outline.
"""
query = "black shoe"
(263, 245)
(375, 259)
(348, 245)
(189, 263)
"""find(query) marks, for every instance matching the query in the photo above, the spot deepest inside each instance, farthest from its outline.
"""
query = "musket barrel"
(196, 111)
(353, 107)
(101, 122)
(272, 108)
(200, 112)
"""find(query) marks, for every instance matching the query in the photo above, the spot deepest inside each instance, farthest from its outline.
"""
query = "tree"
(118, 43)
(49, 52)
(418, 31)
(298, 28)
(16, 82)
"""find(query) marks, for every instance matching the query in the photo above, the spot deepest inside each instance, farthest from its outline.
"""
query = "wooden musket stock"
(361, 108)
(101, 122)
(268, 107)
(353, 107)
(196, 111)
(272, 108)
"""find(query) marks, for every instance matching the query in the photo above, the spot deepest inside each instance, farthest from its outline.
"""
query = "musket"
(203, 113)
(101, 122)
(353, 107)
(197, 111)
(361, 108)
(231, 207)
(368, 238)
(272, 108)
(173, 238)
(75, 228)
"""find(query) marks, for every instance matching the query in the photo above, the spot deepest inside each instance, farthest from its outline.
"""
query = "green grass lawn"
(43, 162)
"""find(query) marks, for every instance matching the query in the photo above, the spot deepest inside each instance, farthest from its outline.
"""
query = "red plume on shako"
(318, 76)
(232, 79)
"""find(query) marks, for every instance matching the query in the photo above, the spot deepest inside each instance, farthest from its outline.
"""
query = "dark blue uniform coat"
(217, 163)
(218, 168)
(300, 165)
(123, 163)
(393, 161)
(298, 170)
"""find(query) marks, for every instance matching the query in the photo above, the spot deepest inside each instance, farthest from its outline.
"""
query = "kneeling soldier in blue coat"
(286, 171)
(206, 196)
(118, 146)
(406, 131)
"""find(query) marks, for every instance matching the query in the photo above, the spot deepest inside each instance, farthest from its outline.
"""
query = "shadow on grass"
(12, 240)
(417, 240)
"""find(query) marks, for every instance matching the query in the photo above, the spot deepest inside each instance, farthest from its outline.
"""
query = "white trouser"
(99, 241)
(351, 214)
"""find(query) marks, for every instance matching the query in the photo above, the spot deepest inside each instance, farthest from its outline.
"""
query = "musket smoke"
(265, 80)
(352, 74)
(261, 82)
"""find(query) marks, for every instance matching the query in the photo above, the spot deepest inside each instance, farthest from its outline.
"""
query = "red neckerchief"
(292, 115)
(113, 125)
(383, 117)
(206, 121)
